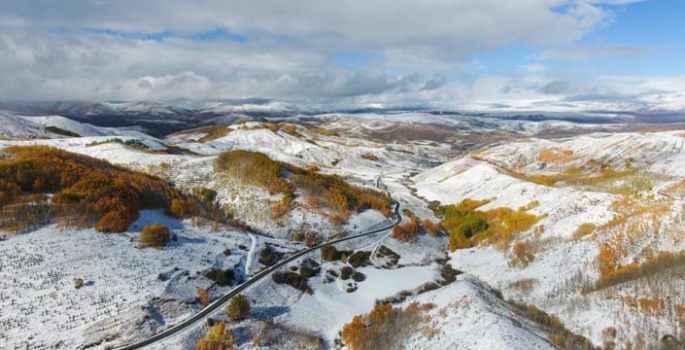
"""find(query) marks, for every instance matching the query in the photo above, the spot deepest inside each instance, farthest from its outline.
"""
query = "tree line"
(321, 190)
(85, 191)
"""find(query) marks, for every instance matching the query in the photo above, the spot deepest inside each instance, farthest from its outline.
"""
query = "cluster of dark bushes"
(390, 256)
(268, 256)
(221, 277)
(300, 281)
(359, 259)
(292, 279)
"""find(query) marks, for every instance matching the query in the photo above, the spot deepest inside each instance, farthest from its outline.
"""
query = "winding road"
(209, 309)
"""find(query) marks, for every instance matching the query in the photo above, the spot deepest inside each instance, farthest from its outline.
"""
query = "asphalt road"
(209, 309)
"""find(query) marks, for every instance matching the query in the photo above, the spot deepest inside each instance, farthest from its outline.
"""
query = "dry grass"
(584, 230)
(525, 285)
(555, 155)
(322, 131)
(215, 132)
(369, 156)
(660, 263)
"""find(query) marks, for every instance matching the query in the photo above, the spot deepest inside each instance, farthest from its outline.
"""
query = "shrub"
(8, 192)
(558, 334)
(383, 328)
(292, 279)
(221, 277)
(322, 131)
(523, 285)
(329, 253)
(391, 258)
(433, 229)
(358, 276)
(346, 272)
(215, 132)
(204, 193)
(268, 256)
(155, 235)
(521, 255)
(58, 131)
(306, 271)
(290, 129)
(117, 220)
(273, 127)
(555, 155)
(217, 338)
(360, 258)
(459, 241)
(239, 308)
(369, 156)
(178, 209)
(203, 296)
(584, 230)
(408, 231)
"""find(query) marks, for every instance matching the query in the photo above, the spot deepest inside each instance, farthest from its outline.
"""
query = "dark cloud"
(434, 83)
(556, 87)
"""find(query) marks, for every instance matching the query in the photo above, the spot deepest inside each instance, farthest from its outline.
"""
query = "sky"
(473, 54)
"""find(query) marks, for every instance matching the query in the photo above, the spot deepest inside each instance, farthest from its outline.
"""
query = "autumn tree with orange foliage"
(155, 235)
(329, 191)
(408, 231)
(203, 296)
(218, 338)
(607, 259)
(432, 229)
(86, 191)
(383, 328)
(468, 226)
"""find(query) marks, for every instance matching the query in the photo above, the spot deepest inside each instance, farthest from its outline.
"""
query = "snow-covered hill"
(625, 189)
(67, 124)
(468, 316)
(12, 126)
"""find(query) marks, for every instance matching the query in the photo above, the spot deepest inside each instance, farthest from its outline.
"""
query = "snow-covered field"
(42, 309)
(130, 293)
(564, 264)
(466, 316)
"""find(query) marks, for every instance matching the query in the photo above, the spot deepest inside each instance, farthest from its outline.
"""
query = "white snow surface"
(40, 306)
(468, 316)
(12, 126)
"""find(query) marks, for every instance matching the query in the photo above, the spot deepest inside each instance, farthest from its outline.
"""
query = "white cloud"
(63, 51)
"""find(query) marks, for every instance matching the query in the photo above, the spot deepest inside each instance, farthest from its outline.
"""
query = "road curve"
(202, 314)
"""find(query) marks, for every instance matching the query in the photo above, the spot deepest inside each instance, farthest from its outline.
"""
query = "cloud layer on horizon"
(420, 52)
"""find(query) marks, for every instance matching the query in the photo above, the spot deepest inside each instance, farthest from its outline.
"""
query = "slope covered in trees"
(385, 327)
(86, 191)
(468, 226)
(329, 191)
